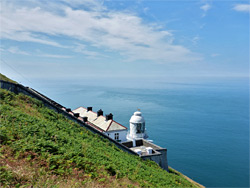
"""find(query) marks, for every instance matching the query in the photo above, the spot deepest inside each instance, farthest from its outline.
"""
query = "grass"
(41, 148)
(5, 78)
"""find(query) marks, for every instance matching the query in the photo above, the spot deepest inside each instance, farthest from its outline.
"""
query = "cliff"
(42, 148)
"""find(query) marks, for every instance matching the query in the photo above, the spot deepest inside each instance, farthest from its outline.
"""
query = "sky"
(96, 41)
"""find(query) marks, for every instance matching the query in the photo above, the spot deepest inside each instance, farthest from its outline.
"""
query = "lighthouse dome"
(137, 118)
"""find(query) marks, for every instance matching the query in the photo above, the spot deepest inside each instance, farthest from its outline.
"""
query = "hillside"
(5, 78)
(41, 148)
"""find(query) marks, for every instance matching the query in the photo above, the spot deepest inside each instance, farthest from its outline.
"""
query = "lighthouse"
(137, 127)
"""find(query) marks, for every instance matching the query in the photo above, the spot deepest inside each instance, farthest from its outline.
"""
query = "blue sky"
(85, 40)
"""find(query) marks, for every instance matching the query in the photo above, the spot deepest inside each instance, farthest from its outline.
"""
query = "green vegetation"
(42, 148)
(5, 78)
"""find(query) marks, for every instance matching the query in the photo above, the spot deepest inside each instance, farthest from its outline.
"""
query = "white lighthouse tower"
(137, 127)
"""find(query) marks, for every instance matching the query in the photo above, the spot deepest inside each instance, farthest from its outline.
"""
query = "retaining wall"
(160, 157)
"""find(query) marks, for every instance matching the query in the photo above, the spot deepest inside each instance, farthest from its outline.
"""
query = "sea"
(203, 124)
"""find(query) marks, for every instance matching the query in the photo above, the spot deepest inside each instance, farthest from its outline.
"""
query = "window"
(116, 136)
(143, 127)
(140, 127)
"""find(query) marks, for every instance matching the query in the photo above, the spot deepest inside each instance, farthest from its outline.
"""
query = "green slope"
(44, 149)
(5, 78)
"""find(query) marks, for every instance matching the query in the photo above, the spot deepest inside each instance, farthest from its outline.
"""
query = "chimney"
(76, 115)
(99, 113)
(89, 109)
(68, 109)
(109, 117)
(85, 119)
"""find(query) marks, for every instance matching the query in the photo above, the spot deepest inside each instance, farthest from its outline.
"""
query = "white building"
(137, 127)
(103, 124)
(134, 139)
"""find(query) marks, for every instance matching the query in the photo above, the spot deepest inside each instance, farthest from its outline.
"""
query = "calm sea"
(205, 126)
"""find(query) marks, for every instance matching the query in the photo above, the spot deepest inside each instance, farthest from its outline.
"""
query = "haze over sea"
(204, 125)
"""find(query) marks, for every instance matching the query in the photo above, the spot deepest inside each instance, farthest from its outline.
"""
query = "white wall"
(122, 134)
